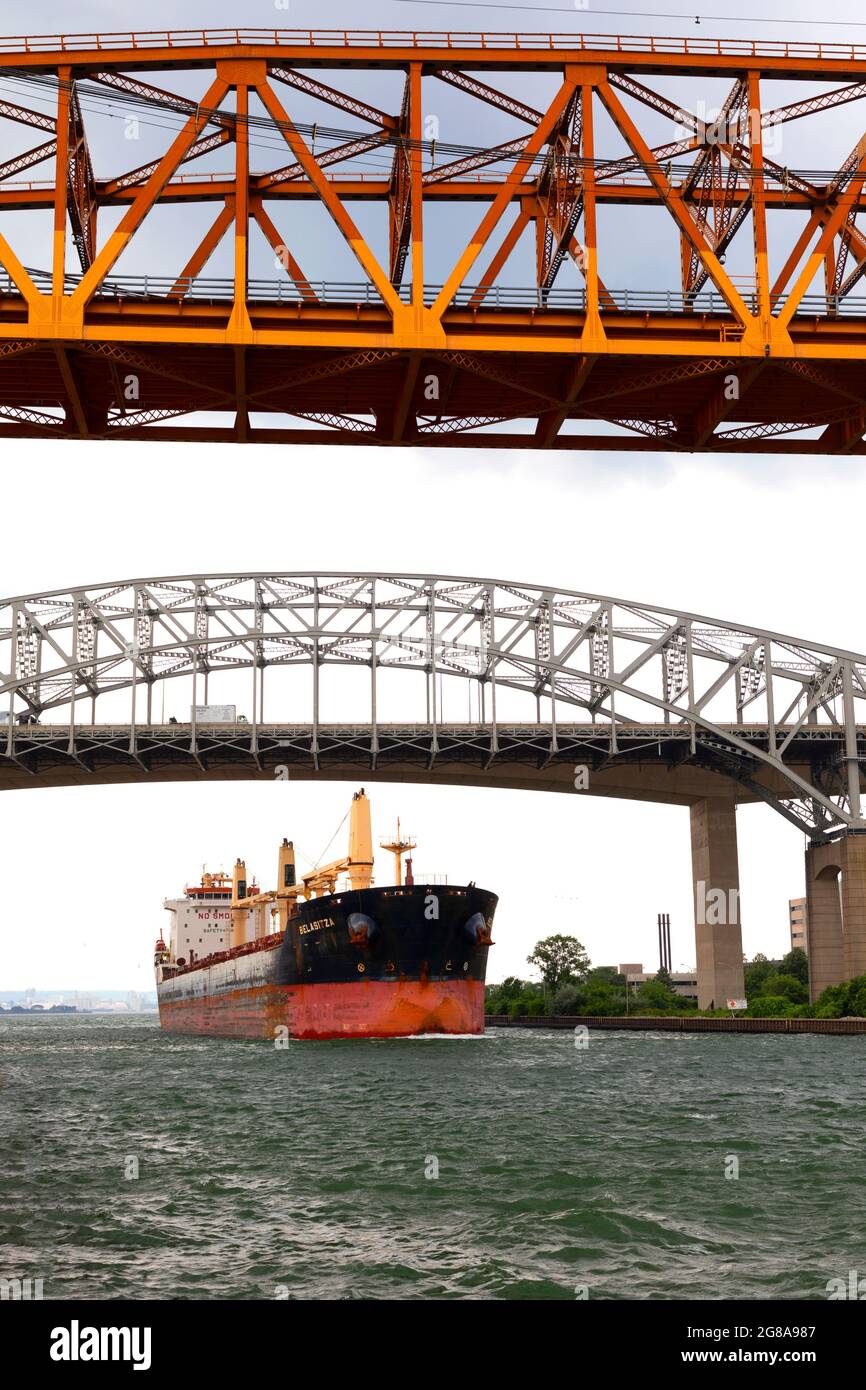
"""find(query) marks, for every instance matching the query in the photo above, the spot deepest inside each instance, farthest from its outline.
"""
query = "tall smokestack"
(285, 879)
(286, 869)
(239, 914)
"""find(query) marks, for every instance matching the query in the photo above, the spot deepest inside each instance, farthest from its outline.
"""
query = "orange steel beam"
(18, 163)
(272, 182)
(416, 191)
(12, 112)
(506, 246)
(332, 97)
(159, 50)
(134, 178)
(759, 209)
(240, 322)
(82, 204)
(285, 256)
(503, 198)
(58, 269)
(314, 173)
(490, 95)
(832, 225)
(144, 200)
(71, 389)
(206, 247)
(671, 199)
(403, 405)
(337, 348)
(550, 423)
(401, 204)
(593, 327)
(287, 185)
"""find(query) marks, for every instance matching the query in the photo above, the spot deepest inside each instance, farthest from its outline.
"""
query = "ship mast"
(398, 847)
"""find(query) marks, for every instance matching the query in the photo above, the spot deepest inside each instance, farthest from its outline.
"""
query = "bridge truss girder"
(647, 698)
(239, 347)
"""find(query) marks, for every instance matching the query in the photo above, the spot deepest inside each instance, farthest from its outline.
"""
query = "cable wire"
(229, 119)
(637, 14)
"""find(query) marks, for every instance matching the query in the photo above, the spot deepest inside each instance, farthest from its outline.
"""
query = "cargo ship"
(327, 955)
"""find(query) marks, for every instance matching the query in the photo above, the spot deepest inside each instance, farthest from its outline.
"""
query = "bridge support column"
(837, 911)
(826, 952)
(854, 905)
(716, 877)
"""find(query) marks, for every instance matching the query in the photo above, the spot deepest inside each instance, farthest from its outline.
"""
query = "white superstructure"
(200, 922)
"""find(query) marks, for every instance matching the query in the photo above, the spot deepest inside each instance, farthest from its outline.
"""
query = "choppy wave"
(138, 1165)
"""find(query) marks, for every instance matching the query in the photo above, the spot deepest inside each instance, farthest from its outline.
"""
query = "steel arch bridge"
(655, 704)
(99, 342)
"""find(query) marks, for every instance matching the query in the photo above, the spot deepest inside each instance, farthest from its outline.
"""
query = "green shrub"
(843, 1001)
(770, 1006)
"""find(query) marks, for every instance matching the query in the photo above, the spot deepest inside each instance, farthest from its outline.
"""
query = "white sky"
(767, 543)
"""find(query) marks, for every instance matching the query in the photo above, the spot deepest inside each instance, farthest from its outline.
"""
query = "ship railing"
(263, 943)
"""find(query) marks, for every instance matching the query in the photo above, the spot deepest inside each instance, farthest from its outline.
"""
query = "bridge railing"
(660, 44)
(216, 289)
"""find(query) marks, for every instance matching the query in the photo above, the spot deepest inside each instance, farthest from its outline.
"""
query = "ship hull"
(373, 963)
(374, 1010)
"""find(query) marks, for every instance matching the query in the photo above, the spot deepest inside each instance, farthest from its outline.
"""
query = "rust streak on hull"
(376, 1009)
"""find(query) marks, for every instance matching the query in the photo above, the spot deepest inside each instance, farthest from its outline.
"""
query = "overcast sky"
(758, 542)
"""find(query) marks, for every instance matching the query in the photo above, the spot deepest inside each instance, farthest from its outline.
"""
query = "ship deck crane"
(320, 881)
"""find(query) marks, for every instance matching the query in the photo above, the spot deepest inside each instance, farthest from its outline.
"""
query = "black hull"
(423, 932)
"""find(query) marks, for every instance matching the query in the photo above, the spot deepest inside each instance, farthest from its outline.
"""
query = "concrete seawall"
(636, 1023)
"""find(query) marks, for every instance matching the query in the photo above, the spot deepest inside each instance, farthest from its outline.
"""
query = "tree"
(559, 959)
(656, 994)
(511, 987)
(607, 973)
(788, 986)
(568, 999)
(602, 998)
(498, 999)
(795, 963)
(757, 972)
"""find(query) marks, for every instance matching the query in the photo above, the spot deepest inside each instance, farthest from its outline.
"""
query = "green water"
(265, 1170)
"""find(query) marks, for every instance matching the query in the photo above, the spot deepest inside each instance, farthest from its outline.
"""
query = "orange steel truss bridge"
(653, 704)
(700, 359)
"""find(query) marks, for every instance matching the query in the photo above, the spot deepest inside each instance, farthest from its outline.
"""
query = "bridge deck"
(643, 762)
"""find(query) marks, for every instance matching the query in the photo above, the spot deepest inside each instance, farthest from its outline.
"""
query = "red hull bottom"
(375, 1009)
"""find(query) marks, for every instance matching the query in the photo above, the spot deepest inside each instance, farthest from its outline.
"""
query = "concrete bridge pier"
(716, 878)
(836, 896)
